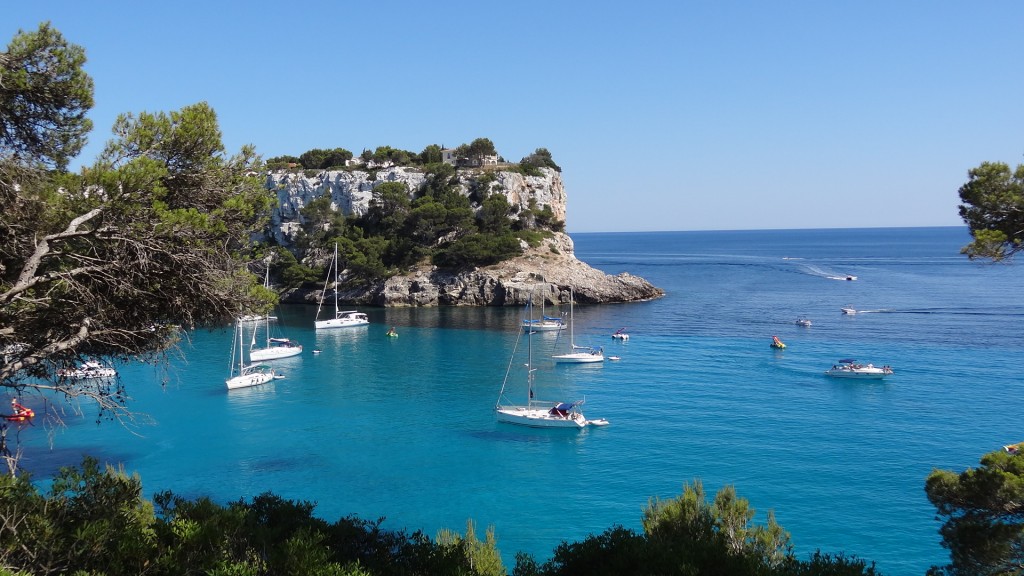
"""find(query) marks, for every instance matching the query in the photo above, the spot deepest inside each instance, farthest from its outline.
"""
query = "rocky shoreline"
(549, 271)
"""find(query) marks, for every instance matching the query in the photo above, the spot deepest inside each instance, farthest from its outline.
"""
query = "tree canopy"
(113, 262)
(44, 97)
(983, 515)
(993, 208)
(96, 521)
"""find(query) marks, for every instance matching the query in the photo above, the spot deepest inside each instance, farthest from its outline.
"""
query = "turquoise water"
(403, 427)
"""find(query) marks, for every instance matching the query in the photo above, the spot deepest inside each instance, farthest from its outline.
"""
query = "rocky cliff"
(549, 270)
(351, 192)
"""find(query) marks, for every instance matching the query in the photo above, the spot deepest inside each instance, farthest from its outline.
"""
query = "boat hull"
(250, 376)
(249, 380)
(578, 358)
(339, 323)
(543, 326)
(274, 353)
(859, 373)
(539, 418)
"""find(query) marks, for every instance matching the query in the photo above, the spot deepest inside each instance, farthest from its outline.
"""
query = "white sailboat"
(538, 413)
(342, 319)
(275, 348)
(545, 323)
(243, 376)
(578, 354)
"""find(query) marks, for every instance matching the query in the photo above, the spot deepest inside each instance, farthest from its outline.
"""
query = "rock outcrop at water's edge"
(549, 270)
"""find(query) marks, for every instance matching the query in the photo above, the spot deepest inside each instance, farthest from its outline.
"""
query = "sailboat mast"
(572, 333)
(266, 284)
(529, 358)
(241, 352)
(335, 279)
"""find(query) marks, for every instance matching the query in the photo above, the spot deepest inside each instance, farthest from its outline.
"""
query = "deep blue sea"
(403, 428)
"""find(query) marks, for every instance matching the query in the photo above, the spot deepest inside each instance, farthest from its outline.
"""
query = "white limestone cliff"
(351, 192)
(551, 269)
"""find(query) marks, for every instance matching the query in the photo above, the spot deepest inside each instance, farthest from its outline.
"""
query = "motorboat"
(803, 322)
(849, 310)
(342, 319)
(89, 370)
(620, 334)
(850, 368)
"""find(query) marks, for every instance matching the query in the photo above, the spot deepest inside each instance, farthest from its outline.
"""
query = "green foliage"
(993, 209)
(617, 551)
(483, 556)
(289, 271)
(713, 535)
(313, 159)
(540, 158)
(478, 250)
(44, 97)
(153, 236)
(321, 223)
(439, 222)
(689, 536)
(94, 521)
(384, 154)
(494, 215)
(282, 163)
(388, 210)
(317, 159)
(983, 513)
(431, 155)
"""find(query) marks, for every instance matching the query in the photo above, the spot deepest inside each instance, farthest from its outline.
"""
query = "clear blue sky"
(675, 115)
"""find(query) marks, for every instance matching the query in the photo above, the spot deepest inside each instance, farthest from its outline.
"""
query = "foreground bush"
(94, 521)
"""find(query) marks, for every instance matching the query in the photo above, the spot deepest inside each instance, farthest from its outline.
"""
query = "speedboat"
(849, 368)
(849, 310)
(89, 370)
(620, 334)
(803, 322)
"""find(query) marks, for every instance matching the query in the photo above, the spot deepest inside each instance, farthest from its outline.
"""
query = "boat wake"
(942, 311)
(826, 274)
